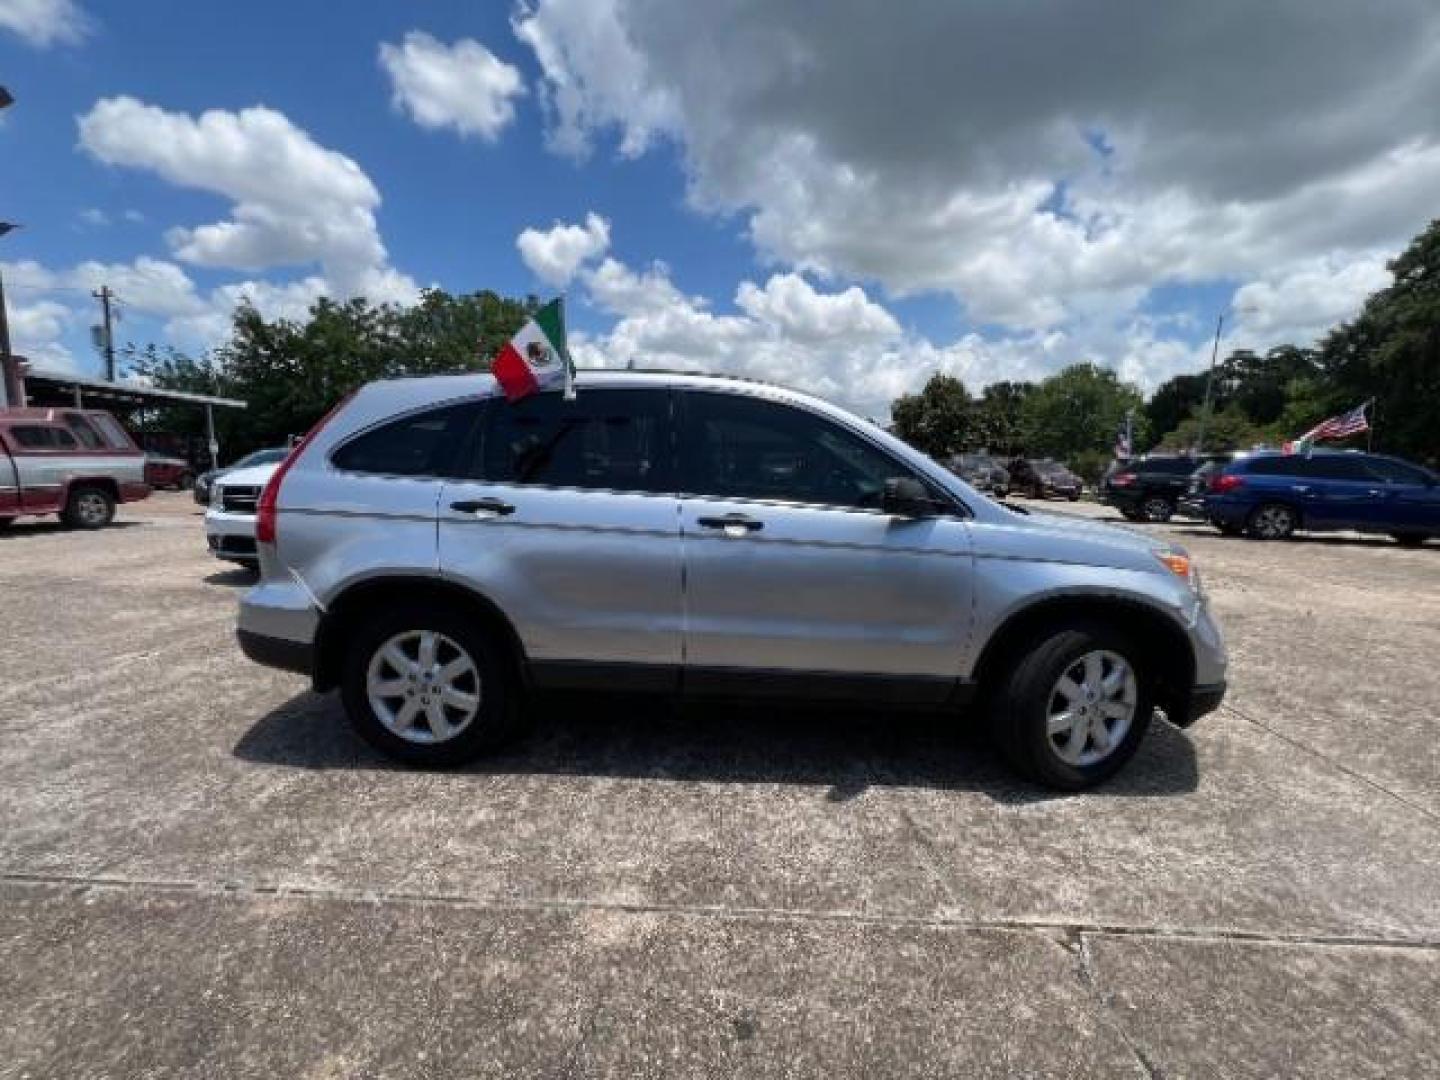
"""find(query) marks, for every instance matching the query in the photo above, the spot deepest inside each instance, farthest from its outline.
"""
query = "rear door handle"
(737, 522)
(483, 506)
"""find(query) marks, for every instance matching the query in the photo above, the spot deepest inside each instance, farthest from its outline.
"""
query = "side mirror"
(906, 497)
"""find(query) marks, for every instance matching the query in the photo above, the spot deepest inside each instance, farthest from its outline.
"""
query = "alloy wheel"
(1273, 522)
(1091, 708)
(423, 686)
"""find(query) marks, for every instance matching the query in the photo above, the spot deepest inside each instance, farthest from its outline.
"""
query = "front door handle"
(483, 506)
(731, 523)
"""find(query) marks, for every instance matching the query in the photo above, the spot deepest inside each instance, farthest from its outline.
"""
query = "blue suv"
(1269, 496)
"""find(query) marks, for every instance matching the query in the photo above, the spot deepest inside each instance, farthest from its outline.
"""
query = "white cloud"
(594, 76)
(1048, 166)
(43, 23)
(791, 305)
(1287, 307)
(464, 86)
(296, 203)
(94, 217)
(555, 255)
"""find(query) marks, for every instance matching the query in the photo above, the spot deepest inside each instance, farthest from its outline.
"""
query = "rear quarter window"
(42, 437)
(426, 443)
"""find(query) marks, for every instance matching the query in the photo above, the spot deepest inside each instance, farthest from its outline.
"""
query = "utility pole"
(1209, 387)
(7, 361)
(107, 338)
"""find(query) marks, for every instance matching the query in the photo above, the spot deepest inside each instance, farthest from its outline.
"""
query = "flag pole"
(1370, 428)
(569, 394)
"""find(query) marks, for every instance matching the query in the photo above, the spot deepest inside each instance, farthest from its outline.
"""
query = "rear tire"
(427, 722)
(1157, 509)
(1028, 702)
(88, 508)
(1272, 521)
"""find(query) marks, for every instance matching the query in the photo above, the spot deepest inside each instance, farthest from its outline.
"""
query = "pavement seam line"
(1429, 815)
(757, 914)
(1107, 1013)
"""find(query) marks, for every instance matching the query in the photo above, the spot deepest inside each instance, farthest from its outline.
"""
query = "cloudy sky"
(846, 204)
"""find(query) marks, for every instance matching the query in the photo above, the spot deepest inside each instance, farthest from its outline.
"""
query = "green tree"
(1173, 402)
(998, 418)
(1391, 353)
(290, 372)
(1081, 409)
(937, 419)
(1228, 429)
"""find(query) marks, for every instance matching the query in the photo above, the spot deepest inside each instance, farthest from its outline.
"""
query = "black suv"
(1150, 488)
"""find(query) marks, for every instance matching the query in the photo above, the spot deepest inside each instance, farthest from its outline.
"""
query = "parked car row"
(1271, 496)
(1039, 478)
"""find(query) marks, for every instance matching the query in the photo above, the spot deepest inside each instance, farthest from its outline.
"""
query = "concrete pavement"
(203, 871)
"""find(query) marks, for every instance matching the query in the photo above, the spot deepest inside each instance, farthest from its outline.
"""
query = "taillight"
(1124, 479)
(265, 509)
(1223, 482)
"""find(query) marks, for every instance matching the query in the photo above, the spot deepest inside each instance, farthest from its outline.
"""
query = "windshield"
(260, 457)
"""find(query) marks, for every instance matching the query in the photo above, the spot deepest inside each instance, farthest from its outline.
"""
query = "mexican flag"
(536, 357)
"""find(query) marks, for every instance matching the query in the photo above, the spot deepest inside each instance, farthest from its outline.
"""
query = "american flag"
(1342, 426)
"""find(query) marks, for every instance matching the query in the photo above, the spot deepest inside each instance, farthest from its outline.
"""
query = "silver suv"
(436, 553)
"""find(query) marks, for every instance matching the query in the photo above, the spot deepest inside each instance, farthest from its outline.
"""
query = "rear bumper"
(1121, 498)
(296, 656)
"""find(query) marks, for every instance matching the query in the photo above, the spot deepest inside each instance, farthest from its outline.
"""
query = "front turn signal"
(1178, 564)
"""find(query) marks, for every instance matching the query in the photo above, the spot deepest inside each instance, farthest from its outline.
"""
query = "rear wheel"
(1072, 708)
(88, 508)
(1157, 508)
(1409, 539)
(429, 687)
(1273, 521)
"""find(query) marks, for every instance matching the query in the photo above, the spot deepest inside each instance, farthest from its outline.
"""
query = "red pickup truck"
(72, 462)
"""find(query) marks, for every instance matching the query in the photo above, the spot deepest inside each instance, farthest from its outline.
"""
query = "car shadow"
(845, 752)
(29, 527)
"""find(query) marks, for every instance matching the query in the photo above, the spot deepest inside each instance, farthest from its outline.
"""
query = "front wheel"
(429, 687)
(1273, 521)
(88, 508)
(1073, 707)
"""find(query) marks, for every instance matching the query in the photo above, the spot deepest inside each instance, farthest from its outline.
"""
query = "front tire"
(429, 687)
(1273, 521)
(88, 508)
(1072, 708)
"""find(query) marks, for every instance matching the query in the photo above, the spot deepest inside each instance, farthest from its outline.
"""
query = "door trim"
(752, 683)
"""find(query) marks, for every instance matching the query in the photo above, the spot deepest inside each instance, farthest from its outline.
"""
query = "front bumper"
(1203, 699)
(231, 536)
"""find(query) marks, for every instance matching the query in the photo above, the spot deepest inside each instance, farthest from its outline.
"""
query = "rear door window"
(426, 443)
(42, 437)
(1275, 466)
(616, 440)
(1335, 467)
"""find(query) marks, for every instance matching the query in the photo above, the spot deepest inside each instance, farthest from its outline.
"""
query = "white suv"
(436, 553)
